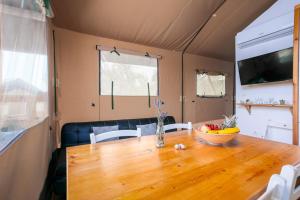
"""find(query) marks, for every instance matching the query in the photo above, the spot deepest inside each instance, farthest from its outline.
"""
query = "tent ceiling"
(217, 38)
(167, 24)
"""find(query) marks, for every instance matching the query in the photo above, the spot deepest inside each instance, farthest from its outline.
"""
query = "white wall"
(278, 9)
(278, 17)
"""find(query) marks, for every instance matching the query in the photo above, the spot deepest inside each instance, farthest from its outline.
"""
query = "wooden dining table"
(135, 169)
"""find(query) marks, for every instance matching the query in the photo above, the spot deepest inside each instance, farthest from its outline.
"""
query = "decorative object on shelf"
(271, 101)
(259, 101)
(247, 100)
(282, 102)
(219, 134)
(160, 133)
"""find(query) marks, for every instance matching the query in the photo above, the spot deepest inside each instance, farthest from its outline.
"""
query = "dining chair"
(113, 134)
(291, 174)
(275, 189)
(187, 126)
(277, 125)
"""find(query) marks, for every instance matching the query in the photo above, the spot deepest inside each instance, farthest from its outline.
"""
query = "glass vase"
(160, 134)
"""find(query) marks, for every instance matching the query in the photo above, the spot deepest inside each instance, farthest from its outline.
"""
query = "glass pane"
(24, 4)
(24, 90)
(130, 74)
(210, 85)
(25, 70)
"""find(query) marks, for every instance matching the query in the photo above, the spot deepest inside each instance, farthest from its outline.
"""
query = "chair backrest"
(113, 134)
(291, 174)
(187, 126)
(276, 124)
(275, 189)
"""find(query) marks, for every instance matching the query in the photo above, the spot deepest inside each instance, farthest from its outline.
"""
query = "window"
(25, 80)
(128, 75)
(210, 85)
(23, 69)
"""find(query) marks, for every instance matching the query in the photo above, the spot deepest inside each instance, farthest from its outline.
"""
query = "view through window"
(210, 85)
(23, 70)
(129, 73)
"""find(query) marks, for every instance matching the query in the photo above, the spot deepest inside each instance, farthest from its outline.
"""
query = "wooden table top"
(135, 169)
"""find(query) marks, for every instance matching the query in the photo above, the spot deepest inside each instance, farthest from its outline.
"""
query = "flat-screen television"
(271, 67)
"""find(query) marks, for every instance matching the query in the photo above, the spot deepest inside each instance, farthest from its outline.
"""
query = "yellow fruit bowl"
(216, 138)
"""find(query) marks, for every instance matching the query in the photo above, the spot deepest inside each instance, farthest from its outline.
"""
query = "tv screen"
(271, 67)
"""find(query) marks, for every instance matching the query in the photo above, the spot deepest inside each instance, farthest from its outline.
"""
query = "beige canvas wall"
(203, 109)
(78, 73)
(24, 165)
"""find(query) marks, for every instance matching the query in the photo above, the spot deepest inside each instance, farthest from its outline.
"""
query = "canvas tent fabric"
(167, 24)
(217, 38)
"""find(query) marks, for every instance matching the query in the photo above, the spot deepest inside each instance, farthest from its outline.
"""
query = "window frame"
(211, 73)
(129, 53)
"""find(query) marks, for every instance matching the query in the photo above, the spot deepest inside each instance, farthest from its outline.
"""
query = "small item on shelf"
(261, 101)
(282, 102)
(247, 100)
(271, 101)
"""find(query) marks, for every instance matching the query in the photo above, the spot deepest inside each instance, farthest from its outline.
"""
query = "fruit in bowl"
(209, 127)
(219, 134)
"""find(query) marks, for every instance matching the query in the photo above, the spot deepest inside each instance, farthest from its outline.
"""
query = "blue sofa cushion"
(102, 129)
(147, 129)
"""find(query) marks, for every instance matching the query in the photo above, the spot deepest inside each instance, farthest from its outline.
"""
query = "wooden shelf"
(248, 106)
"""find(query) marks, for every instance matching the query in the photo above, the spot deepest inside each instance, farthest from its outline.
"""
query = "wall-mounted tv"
(271, 67)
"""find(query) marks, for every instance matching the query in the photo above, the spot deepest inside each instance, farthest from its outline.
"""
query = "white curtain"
(23, 67)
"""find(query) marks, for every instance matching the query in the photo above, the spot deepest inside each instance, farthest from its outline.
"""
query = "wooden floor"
(136, 169)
